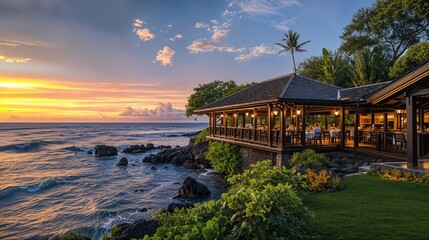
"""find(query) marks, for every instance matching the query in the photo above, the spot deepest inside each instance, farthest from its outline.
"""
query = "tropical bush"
(249, 210)
(402, 175)
(224, 157)
(323, 180)
(263, 173)
(202, 136)
(308, 158)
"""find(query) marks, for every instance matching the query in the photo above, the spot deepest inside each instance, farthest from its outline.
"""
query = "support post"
(343, 127)
(385, 126)
(282, 126)
(270, 124)
(410, 103)
(356, 131)
(303, 112)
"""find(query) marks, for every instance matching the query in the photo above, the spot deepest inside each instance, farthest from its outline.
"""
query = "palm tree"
(291, 45)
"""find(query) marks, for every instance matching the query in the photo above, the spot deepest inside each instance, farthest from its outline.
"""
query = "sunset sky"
(138, 61)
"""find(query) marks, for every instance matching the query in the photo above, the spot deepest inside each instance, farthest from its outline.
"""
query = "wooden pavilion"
(278, 115)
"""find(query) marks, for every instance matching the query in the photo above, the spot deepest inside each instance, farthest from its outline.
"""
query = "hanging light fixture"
(247, 114)
(336, 112)
(235, 115)
(253, 115)
(276, 112)
(221, 115)
(298, 112)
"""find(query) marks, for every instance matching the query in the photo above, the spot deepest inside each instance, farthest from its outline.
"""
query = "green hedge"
(308, 158)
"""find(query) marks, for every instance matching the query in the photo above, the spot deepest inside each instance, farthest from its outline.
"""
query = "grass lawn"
(371, 208)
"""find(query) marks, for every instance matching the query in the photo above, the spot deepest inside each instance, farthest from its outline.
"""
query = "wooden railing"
(259, 136)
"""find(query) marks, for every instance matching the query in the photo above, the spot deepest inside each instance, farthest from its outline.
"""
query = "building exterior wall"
(251, 156)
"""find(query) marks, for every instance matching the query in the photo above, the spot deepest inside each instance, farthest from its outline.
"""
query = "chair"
(399, 138)
(373, 137)
(327, 135)
(317, 137)
(335, 135)
(297, 136)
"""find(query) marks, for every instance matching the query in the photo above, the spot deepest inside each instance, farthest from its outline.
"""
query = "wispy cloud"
(284, 24)
(14, 59)
(12, 43)
(219, 31)
(144, 34)
(256, 52)
(263, 7)
(165, 56)
(178, 36)
(161, 111)
(138, 22)
(201, 25)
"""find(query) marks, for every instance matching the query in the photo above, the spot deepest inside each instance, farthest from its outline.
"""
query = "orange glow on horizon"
(34, 100)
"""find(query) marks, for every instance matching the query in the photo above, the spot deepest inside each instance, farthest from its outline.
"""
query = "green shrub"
(397, 174)
(308, 158)
(224, 157)
(202, 136)
(247, 211)
(320, 181)
(68, 236)
(262, 173)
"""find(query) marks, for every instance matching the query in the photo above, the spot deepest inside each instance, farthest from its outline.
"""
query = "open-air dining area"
(291, 112)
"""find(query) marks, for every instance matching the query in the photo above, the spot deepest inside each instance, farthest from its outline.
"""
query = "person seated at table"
(317, 128)
(290, 128)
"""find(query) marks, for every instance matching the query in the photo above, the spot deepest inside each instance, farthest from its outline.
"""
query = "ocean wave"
(31, 188)
(78, 149)
(27, 146)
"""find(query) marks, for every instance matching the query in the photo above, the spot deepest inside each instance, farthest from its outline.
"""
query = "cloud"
(284, 25)
(165, 56)
(256, 52)
(201, 25)
(161, 111)
(169, 25)
(144, 34)
(178, 36)
(264, 7)
(208, 45)
(14, 59)
(138, 22)
(9, 44)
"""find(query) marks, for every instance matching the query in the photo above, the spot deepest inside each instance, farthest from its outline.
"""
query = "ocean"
(49, 184)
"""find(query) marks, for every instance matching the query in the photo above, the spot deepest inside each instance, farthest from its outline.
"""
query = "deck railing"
(259, 136)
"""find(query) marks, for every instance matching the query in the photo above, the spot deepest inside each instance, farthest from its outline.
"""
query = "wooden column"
(343, 128)
(225, 122)
(372, 119)
(356, 130)
(303, 126)
(410, 103)
(385, 126)
(282, 126)
(270, 124)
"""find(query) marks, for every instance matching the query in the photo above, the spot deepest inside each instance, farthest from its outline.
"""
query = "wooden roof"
(305, 90)
(260, 93)
(413, 79)
(361, 92)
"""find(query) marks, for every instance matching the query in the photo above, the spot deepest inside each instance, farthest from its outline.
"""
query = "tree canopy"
(210, 92)
(416, 55)
(396, 25)
(368, 67)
